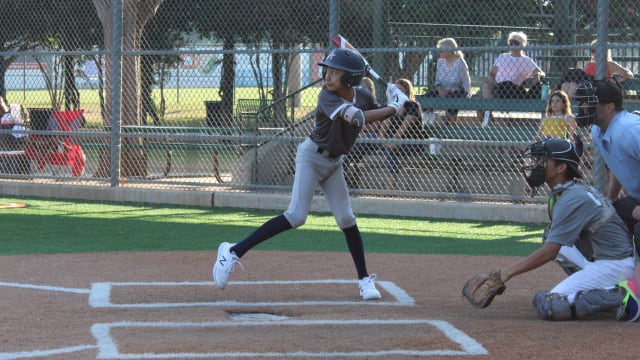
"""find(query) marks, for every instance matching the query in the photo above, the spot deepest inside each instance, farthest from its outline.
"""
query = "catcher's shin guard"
(552, 306)
(593, 301)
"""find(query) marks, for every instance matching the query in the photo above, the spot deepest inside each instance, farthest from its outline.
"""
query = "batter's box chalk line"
(100, 295)
(44, 353)
(108, 348)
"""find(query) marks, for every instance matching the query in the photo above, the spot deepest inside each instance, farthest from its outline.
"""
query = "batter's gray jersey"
(330, 132)
(577, 208)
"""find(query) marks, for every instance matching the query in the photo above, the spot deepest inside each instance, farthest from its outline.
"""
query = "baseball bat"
(340, 42)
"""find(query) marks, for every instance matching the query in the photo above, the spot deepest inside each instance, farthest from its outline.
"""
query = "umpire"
(616, 134)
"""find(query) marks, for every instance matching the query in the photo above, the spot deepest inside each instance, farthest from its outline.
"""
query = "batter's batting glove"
(396, 98)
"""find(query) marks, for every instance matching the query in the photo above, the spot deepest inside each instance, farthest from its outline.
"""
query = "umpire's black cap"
(608, 91)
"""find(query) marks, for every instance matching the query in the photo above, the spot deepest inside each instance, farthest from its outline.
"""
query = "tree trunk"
(70, 90)
(280, 109)
(136, 14)
(3, 71)
(227, 88)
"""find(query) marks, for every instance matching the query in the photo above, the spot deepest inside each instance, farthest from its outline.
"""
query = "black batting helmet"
(535, 158)
(348, 61)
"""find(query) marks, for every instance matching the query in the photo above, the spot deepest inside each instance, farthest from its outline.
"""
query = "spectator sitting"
(508, 74)
(573, 76)
(570, 80)
(558, 121)
(10, 120)
(408, 125)
(613, 68)
(452, 78)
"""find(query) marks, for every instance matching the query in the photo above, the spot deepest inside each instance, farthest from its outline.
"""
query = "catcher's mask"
(347, 60)
(535, 159)
(589, 94)
(586, 100)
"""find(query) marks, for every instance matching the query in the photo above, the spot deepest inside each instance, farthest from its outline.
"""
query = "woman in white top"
(452, 76)
(509, 71)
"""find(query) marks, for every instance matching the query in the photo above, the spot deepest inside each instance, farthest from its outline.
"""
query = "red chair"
(61, 150)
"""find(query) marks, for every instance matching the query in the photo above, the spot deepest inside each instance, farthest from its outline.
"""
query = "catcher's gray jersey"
(576, 208)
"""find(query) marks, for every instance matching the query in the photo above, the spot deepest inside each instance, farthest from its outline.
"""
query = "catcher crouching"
(586, 238)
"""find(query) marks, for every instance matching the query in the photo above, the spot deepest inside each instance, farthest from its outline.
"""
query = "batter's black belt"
(322, 151)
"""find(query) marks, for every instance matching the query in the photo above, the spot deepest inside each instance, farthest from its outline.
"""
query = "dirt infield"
(284, 305)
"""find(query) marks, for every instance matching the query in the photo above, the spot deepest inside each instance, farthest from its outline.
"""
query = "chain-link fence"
(181, 94)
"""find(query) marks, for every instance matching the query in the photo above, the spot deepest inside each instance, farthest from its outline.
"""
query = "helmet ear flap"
(350, 80)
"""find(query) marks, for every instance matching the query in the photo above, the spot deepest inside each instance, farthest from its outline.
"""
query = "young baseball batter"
(586, 237)
(343, 109)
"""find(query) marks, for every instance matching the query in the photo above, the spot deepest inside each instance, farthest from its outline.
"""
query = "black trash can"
(215, 117)
(39, 118)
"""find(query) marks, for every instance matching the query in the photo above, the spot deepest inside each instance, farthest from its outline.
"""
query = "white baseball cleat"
(225, 264)
(368, 289)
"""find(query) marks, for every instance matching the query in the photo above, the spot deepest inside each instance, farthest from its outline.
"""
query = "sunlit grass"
(63, 226)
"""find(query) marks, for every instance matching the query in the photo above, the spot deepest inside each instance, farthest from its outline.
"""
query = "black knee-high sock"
(356, 247)
(271, 228)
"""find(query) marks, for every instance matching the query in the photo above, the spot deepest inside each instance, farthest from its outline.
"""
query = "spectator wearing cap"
(509, 72)
(616, 134)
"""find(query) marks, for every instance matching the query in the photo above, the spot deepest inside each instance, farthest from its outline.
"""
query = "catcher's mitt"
(482, 288)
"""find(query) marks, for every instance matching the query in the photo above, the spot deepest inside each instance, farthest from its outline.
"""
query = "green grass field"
(60, 226)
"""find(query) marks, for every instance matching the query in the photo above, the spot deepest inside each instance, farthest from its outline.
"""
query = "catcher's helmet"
(593, 93)
(535, 159)
(347, 60)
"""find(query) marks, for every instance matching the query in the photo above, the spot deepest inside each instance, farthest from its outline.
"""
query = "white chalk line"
(100, 295)
(41, 353)
(45, 287)
(107, 347)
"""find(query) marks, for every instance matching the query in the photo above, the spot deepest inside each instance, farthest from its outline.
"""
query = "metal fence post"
(116, 83)
(601, 72)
